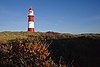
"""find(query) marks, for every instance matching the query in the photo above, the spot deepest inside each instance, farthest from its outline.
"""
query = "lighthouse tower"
(30, 20)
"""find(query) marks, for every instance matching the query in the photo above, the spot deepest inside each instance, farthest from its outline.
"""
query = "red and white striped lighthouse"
(30, 20)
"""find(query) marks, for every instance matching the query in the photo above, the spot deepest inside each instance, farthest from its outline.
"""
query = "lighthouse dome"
(30, 8)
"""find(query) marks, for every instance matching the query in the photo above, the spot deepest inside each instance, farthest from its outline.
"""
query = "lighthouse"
(30, 20)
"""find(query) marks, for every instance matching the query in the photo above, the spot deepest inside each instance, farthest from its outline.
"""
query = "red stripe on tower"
(30, 20)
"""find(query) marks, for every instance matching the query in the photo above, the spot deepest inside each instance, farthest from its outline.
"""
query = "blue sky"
(67, 16)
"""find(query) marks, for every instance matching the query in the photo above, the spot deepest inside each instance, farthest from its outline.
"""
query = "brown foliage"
(25, 53)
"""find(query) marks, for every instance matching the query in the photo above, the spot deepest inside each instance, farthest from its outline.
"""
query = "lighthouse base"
(30, 29)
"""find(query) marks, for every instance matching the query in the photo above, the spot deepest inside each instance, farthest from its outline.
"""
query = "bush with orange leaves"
(26, 53)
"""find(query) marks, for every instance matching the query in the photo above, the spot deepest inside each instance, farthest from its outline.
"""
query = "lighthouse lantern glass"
(30, 12)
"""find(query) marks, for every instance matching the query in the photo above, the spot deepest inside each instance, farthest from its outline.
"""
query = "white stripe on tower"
(30, 20)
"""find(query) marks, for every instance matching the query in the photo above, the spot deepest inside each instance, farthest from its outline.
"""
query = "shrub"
(26, 53)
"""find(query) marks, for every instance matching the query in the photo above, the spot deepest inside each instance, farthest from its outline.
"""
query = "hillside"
(77, 50)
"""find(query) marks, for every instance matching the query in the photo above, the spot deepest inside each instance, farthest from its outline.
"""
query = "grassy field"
(4, 36)
(49, 49)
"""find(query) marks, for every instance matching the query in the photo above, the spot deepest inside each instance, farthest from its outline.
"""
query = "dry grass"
(4, 36)
(26, 53)
(26, 49)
